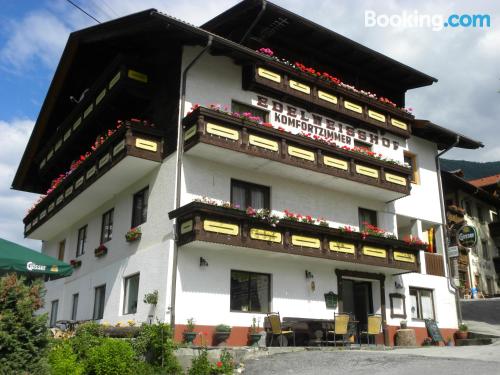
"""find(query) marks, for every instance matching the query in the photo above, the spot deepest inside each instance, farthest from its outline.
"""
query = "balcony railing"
(222, 130)
(117, 83)
(300, 87)
(207, 223)
(139, 142)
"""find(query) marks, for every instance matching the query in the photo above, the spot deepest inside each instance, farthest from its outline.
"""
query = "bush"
(111, 357)
(222, 328)
(200, 365)
(23, 336)
(87, 336)
(63, 360)
(154, 343)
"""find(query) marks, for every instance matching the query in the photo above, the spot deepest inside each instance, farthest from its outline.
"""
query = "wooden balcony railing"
(207, 223)
(314, 92)
(434, 264)
(117, 83)
(223, 130)
(140, 142)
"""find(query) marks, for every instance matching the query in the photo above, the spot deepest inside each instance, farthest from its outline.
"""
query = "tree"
(23, 335)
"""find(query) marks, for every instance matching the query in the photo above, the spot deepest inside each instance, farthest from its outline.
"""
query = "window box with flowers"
(100, 251)
(133, 234)
(75, 263)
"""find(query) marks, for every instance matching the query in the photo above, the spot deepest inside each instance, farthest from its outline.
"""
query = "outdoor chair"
(374, 326)
(277, 329)
(340, 327)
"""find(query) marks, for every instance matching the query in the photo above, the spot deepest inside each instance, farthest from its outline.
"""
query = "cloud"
(15, 135)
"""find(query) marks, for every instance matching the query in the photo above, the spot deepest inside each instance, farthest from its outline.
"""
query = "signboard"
(297, 120)
(467, 236)
(452, 251)
(433, 330)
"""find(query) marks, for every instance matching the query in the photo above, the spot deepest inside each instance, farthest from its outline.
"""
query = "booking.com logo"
(436, 22)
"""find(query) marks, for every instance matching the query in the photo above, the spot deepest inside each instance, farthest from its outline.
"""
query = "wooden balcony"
(125, 157)
(120, 92)
(434, 264)
(312, 92)
(209, 127)
(207, 223)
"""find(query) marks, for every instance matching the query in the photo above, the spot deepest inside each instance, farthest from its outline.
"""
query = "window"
(74, 306)
(366, 217)
(411, 160)
(53, 312)
(140, 207)
(245, 194)
(422, 303)
(250, 292)
(359, 144)
(484, 246)
(107, 226)
(82, 238)
(99, 296)
(131, 293)
(242, 108)
(60, 254)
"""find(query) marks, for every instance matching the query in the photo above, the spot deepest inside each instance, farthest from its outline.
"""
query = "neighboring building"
(468, 204)
(209, 260)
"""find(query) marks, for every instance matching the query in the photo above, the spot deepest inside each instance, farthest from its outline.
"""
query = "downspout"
(247, 33)
(178, 176)
(445, 228)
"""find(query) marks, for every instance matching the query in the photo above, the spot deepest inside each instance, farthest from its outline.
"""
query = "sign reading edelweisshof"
(297, 120)
(467, 236)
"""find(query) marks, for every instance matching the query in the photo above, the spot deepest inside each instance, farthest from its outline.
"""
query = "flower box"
(100, 251)
(75, 263)
(133, 234)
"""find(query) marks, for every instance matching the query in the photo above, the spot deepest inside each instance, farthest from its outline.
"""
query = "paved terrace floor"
(418, 361)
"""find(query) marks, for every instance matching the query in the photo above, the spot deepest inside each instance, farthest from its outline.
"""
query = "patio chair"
(374, 326)
(277, 329)
(340, 327)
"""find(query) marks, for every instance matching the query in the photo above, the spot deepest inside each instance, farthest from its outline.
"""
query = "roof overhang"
(456, 182)
(269, 24)
(444, 138)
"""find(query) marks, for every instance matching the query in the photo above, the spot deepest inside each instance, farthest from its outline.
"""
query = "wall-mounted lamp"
(203, 262)
(398, 285)
(309, 275)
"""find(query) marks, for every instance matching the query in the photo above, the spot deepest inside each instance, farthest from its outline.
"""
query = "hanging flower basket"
(133, 234)
(100, 251)
(75, 263)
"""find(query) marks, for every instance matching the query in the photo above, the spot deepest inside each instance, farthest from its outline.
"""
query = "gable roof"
(452, 181)
(486, 181)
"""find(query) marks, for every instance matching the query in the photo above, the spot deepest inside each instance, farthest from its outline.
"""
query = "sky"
(466, 61)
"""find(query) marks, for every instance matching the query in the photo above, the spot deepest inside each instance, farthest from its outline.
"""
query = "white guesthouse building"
(256, 131)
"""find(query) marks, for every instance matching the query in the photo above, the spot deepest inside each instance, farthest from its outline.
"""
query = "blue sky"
(466, 62)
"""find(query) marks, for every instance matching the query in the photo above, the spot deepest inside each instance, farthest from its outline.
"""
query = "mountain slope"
(472, 169)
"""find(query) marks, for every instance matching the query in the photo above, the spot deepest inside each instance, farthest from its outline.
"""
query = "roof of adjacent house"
(453, 181)
(486, 181)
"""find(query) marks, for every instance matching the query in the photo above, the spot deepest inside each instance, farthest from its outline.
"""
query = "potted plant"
(189, 333)
(427, 341)
(463, 332)
(133, 234)
(254, 334)
(222, 332)
(100, 251)
(151, 298)
(75, 263)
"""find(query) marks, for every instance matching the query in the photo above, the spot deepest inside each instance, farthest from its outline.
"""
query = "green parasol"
(17, 258)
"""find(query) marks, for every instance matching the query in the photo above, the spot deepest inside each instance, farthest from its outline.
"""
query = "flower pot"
(254, 338)
(189, 337)
(462, 335)
(220, 338)
(133, 238)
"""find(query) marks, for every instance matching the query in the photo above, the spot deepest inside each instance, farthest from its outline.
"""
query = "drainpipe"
(247, 33)
(445, 228)
(177, 193)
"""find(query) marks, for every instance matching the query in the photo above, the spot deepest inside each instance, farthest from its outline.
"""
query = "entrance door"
(357, 300)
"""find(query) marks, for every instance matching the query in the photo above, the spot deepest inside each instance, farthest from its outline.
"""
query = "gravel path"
(366, 363)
